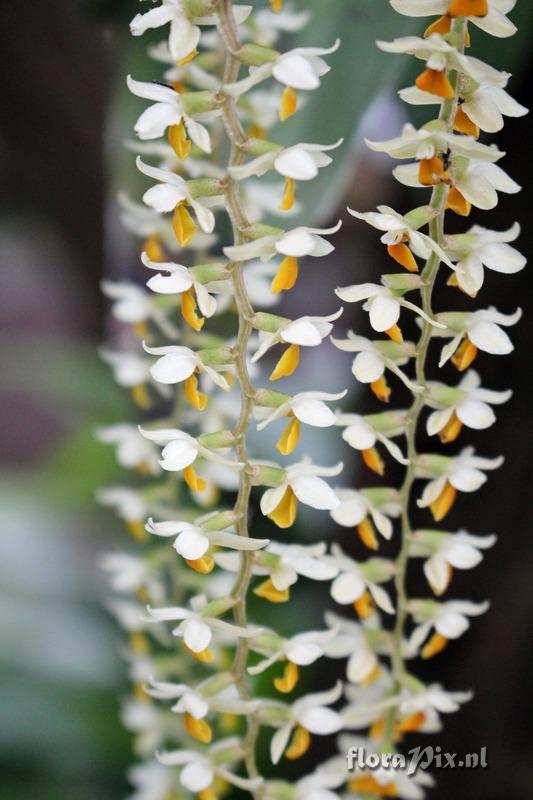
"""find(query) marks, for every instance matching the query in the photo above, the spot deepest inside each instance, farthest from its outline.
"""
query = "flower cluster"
(446, 158)
(202, 144)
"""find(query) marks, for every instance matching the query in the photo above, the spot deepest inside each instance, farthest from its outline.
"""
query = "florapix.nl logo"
(418, 758)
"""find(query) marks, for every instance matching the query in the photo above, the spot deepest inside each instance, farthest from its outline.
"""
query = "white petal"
(313, 412)
(296, 163)
(191, 544)
(384, 313)
(321, 720)
(196, 635)
(475, 414)
(296, 71)
(163, 197)
(347, 587)
(178, 454)
(197, 775)
(314, 492)
(490, 338)
(451, 624)
(174, 367)
(279, 742)
(367, 367)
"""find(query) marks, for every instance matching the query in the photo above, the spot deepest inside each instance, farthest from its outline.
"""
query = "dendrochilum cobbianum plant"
(213, 265)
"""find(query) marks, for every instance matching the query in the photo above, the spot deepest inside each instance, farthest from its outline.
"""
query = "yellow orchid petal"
(451, 430)
(367, 534)
(137, 530)
(290, 438)
(286, 276)
(287, 364)
(289, 195)
(186, 59)
(443, 503)
(373, 460)
(435, 82)
(288, 104)
(153, 249)
(285, 513)
(203, 565)
(268, 591)
(177, 139)
(192, 480)
(197, 399)
(381, 389)
(198, 729)
(436, 644)
(468, 8)
(183, 225)
(188, 311)
(402, 255)
(300, 743)
(288, 680)
(204, 656)
(364, 605)
(456, 202)
(463, 124)
(464, 355)
(141, 396)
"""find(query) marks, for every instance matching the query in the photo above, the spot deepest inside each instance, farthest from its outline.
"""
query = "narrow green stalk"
(245, 311)
(429, 275)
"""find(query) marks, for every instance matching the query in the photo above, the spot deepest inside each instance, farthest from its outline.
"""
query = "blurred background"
(65, 114)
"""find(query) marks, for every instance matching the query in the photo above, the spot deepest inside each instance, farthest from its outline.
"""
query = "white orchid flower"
(448, 620)
(128, 504)
(318, 785)
(199, 701)
(483, 105)
(479, 248)
(150, 781)
(432, 698)
(178, 364)
(195, 629)
(296, 243)
(473, 331)
(307, 715)
(166, 112)
(284, 564)
(297, 651)
(180, 452)
(494, 22)
(180, 280)
(447, 551)
(301, 162)
(440, 56)
(199, 770)
(367, 508)
(383, 305)
(373, 358)
(354, 643)
(129, 614)
(146, 223)
(172, 193)
(130, 573)
(193, 542)
(357, 582)
(448, 475)
(132, 305)
(363, 432)
(300, 68)
(401, 237)
(302, 332)
(303, 482)
(478, 182)
(307, 407)
(132, 449)
(266, 26)
(430, 140)
(129, 369)
(145, 720)
(467, 404)
(184, 31)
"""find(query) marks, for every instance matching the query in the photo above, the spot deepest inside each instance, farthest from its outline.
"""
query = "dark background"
(60, 64)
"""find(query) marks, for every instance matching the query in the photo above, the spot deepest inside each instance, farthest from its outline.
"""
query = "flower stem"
(429, 275)
(239, 222)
